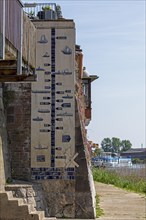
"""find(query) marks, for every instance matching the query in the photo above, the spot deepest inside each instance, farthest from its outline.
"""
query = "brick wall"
(17, 100)
(4, 154)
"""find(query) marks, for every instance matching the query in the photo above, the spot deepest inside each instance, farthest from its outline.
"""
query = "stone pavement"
(119, 204)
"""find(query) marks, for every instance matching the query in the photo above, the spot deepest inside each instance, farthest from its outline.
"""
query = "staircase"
(14, 209)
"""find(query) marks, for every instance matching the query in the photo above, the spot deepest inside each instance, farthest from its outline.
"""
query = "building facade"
(135, 153)
(47, 119)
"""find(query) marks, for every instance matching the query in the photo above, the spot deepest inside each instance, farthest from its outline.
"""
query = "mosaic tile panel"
(53, 173)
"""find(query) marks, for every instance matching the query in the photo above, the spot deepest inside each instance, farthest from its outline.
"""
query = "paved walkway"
(119, 204)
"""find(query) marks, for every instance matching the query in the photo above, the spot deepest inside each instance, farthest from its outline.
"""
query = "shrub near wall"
(129, 182)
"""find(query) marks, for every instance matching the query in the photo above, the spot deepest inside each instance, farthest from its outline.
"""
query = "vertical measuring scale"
(53, 97)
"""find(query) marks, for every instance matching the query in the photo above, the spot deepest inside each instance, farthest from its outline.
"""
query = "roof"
(91, 77)
(134, 150)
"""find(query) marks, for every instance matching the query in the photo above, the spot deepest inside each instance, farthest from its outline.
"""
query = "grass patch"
(129, 182)
(99, 211)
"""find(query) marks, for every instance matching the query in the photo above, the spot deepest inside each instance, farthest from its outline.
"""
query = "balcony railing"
(33, 10)
(17, 43)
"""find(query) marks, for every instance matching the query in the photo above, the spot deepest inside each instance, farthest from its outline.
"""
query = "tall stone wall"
(45, 131)
(17, 98)
(84, 186)
(63, 198)
(53, 108)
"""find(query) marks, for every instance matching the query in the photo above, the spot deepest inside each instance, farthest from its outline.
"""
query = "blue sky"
(112, 36)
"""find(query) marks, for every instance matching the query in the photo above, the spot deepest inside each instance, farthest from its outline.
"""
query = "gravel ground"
(119, 204)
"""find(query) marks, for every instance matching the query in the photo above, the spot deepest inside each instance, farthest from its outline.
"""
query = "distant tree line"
(115, 145)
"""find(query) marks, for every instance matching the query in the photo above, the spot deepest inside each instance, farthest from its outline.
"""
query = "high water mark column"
(53, 112)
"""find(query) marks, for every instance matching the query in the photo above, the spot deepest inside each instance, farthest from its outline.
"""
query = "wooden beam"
(8, 67)
(18, 78)
(9, 72)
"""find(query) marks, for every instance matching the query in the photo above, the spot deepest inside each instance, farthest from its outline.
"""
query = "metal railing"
(32, 9)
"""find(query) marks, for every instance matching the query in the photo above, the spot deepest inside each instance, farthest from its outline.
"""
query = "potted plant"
(58, 10)
(46, 13)
(31, 14)
(46, 8)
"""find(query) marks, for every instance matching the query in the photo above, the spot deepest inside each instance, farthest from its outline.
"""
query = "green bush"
(130, 182)
(137, 161)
